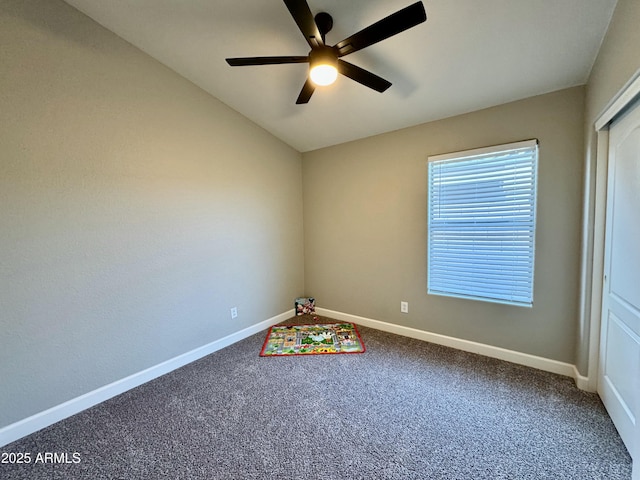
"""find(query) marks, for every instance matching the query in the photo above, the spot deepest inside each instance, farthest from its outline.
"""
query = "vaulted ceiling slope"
(468, 55)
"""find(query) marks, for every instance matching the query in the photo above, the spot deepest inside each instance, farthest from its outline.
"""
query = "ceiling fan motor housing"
(323, 56)
(323, 65)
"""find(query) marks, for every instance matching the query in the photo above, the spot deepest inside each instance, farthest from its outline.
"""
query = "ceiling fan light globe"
(323, 75)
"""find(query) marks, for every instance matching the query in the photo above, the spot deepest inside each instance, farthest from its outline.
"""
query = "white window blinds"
(482, 216)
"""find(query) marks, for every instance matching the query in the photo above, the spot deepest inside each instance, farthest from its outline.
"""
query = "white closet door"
(619, 372)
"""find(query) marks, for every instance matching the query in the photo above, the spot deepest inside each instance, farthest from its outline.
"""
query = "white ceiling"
(468, 55)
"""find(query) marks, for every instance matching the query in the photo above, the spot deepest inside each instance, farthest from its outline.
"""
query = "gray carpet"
(405, 409)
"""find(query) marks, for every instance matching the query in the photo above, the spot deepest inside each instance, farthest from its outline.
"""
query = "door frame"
(594, 229)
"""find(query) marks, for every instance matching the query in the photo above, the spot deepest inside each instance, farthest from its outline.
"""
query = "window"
(482, 216)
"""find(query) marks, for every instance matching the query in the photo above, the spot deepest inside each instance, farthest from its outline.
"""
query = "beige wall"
(135, 211)
(365, 210)
(617, 61)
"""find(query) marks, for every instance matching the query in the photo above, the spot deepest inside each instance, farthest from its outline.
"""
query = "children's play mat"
(312, 339)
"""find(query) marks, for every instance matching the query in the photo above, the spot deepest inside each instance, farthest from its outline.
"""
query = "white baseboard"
(582, 382)
(512, 356)
(48, 417)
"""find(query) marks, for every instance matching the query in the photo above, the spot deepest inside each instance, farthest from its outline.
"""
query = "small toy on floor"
(305, 306)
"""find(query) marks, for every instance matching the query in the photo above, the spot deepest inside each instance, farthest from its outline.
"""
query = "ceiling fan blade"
(301, 13)
(363, 76)
(305, 94)
(241, 62)
(387, 27)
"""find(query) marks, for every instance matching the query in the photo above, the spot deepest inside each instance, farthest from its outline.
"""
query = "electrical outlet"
(404, 307)
(234, 312)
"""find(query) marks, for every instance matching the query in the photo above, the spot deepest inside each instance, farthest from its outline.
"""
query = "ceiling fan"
(325, 61)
